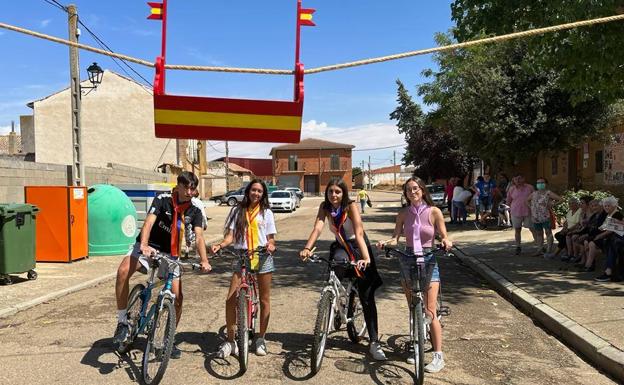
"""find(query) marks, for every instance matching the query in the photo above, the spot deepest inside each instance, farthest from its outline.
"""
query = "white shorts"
(163, 269)
(519, 222)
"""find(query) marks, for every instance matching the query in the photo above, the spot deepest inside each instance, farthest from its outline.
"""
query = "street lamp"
(95, 76)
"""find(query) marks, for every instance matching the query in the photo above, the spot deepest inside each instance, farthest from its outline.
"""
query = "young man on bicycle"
(170, 215)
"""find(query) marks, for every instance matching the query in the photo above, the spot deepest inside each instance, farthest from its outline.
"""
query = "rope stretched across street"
(266, 71)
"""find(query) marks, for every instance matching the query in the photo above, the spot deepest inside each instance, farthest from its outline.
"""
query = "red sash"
(177, 229)
(341, 236)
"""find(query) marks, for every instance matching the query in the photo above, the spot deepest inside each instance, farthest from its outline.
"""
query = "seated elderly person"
(597, 215)
(572, 222)
(615, 249)
(600, 241)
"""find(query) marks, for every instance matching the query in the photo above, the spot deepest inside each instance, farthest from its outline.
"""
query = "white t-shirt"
(200, 204)
(457, 194)
(266, 227)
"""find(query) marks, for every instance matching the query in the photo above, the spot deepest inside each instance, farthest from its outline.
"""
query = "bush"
(561, 208)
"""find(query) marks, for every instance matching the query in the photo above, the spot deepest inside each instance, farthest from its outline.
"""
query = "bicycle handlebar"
(315, 258)
(156, 257)
(438, 250)
(240, 253)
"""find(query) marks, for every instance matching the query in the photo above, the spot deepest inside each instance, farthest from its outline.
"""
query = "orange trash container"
(61, 229)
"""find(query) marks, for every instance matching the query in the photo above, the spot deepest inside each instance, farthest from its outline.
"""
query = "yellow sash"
(252, 236)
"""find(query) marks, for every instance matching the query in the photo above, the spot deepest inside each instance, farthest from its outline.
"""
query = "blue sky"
(347, 106)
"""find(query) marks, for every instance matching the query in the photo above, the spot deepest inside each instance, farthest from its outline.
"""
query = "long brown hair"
(237, 215)
(423, 187)
(335, 181)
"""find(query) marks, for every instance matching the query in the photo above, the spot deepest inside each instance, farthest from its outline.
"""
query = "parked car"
(282, 200)
(231, 197)
(436, 192)
(297, 191)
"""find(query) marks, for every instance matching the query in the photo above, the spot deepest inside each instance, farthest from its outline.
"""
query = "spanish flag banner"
(305, 16)
(156, 11)
(204, 118)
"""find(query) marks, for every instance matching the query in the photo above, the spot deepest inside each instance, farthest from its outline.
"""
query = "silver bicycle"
(338, 305)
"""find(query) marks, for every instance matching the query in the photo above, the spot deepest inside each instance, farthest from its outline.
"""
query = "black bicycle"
(419, 322)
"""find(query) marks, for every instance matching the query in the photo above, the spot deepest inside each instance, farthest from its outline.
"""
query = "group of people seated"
(592, 227)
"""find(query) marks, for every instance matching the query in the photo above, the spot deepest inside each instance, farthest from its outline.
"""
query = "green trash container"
(17, 241)
(112, 221)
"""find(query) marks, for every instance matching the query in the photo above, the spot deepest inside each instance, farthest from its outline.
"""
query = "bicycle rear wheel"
(356, 325)
(133, 313)
(321, 330)
(242, 329)
(418, 340)
(159, 343)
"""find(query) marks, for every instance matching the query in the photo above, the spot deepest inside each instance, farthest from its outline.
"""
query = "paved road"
(486, 340)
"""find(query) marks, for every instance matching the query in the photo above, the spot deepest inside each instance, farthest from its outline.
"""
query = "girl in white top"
(251, 221)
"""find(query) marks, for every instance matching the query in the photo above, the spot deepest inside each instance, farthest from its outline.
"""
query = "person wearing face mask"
(419, 223)
(520, 213)
(540, 202)
(351, 244)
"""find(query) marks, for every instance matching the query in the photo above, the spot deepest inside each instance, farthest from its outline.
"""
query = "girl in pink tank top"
(419, 222)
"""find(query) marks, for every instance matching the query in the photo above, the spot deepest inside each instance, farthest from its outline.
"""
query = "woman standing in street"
(250, 225)
(541, 202)
(351, 245)
(517, 196)
(419, 223)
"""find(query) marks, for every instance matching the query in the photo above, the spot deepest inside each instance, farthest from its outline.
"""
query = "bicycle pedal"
(445, 311)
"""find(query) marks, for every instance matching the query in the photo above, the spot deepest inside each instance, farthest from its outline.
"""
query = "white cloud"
(44, 23)
(364, 136)
(4, 130)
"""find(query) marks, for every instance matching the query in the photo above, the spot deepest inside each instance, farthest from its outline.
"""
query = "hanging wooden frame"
(211, 118)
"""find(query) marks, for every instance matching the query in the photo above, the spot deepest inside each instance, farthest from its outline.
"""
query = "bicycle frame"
(248, 281)
(339, 292)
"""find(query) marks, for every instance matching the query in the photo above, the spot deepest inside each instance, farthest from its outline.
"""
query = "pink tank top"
(427, 231)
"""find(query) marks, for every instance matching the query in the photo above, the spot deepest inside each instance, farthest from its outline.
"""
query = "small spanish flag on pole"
(305, 16)
(156, 11)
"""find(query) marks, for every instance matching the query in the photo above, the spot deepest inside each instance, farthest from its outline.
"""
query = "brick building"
(310, 164)
(591, 166)
(261, 168)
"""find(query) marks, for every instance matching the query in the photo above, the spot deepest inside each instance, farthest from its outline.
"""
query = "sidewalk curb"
(597, 350)
(11, 310)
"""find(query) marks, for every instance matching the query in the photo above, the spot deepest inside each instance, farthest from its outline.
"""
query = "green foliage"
(561, 208)
(431, 148)
(500, 105)
(355, 171)
(588, 60)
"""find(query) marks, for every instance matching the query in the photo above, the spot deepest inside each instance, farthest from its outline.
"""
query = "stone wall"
(15, 173)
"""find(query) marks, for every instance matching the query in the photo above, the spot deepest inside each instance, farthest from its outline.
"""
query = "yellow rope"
(515, 35)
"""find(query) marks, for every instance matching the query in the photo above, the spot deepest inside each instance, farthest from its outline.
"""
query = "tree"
(355, 171)
(588, 60)
(503, 107)
(433, 150)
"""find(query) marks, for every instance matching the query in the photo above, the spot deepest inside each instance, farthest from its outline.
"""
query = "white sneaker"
(227, 349)
(410, 355)
(436, 365)
(376, 352)
(261, 349)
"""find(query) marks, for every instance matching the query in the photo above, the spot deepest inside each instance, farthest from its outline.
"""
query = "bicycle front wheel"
(159, 342)
(321, 330)
(356, 325)
(418, 341)
(242, 329)
(133, 313)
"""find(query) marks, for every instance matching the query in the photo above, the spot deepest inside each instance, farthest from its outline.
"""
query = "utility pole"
(370, 182)
(394, 163)
(227, 166)
(74, 90)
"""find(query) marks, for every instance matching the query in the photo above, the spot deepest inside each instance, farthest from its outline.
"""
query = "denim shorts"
(163, 268)
(266, 264)
(542, 225)
(407, 262)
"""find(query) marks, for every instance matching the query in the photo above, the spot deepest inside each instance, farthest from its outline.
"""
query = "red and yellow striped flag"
(305, 16)
(156, 11)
